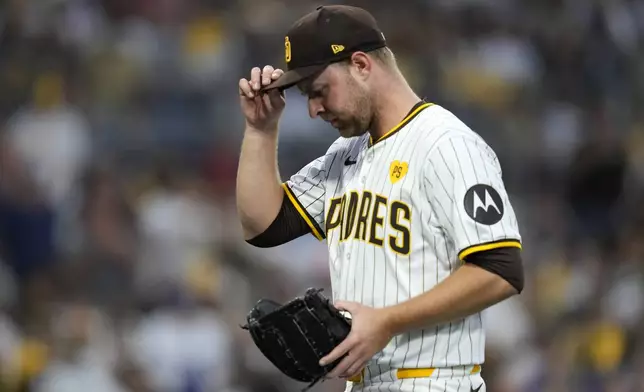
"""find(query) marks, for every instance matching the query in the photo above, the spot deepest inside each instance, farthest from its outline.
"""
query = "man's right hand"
(262, 110)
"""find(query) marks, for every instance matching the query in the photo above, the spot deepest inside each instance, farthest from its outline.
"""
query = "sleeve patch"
(483, 204)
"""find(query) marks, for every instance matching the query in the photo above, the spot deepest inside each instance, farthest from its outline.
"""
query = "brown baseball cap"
(325, 36)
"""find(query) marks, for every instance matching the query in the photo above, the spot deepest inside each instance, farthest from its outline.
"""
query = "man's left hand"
(370, 333)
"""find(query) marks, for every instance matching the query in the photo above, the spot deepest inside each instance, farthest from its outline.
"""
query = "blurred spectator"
(101, 245)
(178, 227)
(184, 345)
(52, 138)
(595, 188)
(83, 353)
(26, 217)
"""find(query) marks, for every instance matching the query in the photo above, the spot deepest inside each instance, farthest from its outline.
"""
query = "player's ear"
(361, 64)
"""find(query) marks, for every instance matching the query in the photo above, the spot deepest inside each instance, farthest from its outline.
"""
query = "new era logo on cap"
(337, 48)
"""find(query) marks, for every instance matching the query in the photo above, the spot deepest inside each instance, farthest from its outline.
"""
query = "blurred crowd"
(122, 265)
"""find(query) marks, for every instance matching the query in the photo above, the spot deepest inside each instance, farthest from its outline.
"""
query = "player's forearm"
(259, 194)
(469, 290)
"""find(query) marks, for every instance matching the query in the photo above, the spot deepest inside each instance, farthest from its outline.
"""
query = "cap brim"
(294, 76)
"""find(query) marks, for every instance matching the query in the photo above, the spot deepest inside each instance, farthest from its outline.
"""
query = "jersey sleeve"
(306, 190)
(465, 188)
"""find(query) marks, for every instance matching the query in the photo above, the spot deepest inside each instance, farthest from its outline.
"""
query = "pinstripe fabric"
(457, 384)
(395, 222)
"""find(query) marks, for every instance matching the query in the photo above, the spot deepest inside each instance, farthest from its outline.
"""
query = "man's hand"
(468, 290)
(369, 334)
(262, 110)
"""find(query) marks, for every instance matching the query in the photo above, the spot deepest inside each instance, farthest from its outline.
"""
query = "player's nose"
(315, 108)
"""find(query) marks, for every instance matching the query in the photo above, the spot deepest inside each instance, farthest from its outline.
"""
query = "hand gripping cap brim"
(325, 36)
(294, 76)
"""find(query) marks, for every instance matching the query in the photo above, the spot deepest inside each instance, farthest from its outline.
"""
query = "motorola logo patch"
(483, 204)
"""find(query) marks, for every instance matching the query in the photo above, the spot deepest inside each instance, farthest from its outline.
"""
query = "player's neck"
(391, 108)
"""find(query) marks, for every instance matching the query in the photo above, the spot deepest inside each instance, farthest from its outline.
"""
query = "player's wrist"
(409, 315)
(393, 320)
(270, 131)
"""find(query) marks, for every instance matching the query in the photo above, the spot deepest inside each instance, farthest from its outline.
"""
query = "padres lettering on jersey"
(361, 216)
(400, 215)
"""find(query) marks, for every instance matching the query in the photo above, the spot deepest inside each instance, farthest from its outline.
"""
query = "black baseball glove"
(296, 335)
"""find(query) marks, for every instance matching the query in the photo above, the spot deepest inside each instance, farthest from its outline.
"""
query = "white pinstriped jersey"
(399, 216)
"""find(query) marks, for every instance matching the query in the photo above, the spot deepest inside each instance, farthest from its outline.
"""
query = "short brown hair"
(382, 55)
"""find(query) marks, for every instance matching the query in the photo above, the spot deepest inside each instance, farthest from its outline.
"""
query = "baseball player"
(421, 233)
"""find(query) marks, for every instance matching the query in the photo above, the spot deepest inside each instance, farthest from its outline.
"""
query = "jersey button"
(363, 180)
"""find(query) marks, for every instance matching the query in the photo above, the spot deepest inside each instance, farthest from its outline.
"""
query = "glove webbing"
(316, 380)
